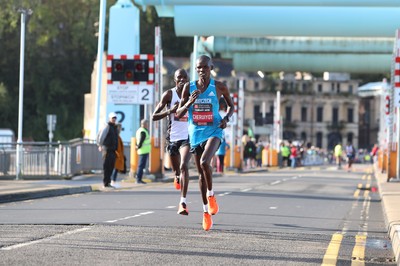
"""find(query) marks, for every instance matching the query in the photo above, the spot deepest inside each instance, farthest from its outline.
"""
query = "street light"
(25, 14)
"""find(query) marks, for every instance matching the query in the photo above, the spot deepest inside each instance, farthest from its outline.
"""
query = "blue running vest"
(204, 117)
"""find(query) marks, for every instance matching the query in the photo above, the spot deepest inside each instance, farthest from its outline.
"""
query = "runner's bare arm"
(187, 100)
(223, 91)
(165, 100)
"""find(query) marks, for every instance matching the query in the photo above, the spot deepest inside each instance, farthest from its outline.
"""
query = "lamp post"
(25, 14)
(278, 122)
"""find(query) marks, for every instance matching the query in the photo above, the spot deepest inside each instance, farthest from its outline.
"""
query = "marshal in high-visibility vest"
(145, 146)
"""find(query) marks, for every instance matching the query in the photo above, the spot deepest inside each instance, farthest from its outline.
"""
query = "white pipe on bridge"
(375, 3)
(227, 45)
(312, 62)
(259, 21)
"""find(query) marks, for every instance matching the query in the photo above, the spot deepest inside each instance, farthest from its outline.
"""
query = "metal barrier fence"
(52, 160)
(313, 159)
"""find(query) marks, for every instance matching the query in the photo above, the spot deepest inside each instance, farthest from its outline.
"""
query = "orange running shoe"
(177, 182)
(207, 221)
(183, 209)
(212, 205)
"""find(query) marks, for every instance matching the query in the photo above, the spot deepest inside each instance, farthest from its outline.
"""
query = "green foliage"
(60, 50)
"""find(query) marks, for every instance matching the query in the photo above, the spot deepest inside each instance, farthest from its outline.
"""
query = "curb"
(21, 196)
(392, 225)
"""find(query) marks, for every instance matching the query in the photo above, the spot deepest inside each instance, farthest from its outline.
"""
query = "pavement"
(19, 190)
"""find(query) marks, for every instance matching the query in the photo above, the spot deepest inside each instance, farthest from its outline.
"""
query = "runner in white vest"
(177, 136)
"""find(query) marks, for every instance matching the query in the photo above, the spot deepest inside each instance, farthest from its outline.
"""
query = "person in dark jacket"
(107, 140)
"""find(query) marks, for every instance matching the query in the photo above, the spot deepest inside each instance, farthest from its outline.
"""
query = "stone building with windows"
(318, 111)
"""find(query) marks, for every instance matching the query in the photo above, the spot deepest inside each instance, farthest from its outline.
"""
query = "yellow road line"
(366, 193)
(359, 185)
(358, 255)
(332, 252)
(363, 177)
(356, 193)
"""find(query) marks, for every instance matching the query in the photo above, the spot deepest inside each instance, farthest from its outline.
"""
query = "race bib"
(202, 114)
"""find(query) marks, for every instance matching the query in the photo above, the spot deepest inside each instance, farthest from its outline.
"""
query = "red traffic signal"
(140, 66)
(129, 75)
(130, 70)
(118, 65)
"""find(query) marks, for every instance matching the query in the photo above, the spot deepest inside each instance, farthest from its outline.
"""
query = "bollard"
(236, 158)
(155, 161)
(391, 173)
(134, 157)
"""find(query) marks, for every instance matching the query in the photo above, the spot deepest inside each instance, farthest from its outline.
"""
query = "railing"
(312, 159)
(52, 160)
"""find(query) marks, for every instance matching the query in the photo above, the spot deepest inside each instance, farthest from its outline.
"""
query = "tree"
(60, 49)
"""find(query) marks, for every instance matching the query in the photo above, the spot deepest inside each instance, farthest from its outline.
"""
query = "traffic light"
(130, 70)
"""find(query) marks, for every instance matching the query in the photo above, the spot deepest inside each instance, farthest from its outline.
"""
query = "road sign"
(130, 79)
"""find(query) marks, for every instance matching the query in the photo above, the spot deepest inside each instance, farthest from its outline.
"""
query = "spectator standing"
(293, 155)
(351, 154)
(374, 153)
(285, 154)
(120, 161)
(259, 151)
(250, 153)
(338, 155)
(220, 155)
(143, 147)
(107, 140)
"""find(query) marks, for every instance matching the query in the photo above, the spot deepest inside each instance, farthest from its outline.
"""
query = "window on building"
(256, 85)
(284, 86)
(332, 87)
(257, 115)
(350, 136)
(319, 87)
(288, 110)
(319, 140)
(320, 112)
(351, 89)
(303, 136)
(338, 87)
(303, 114)
(350, 115)
(304, 87)
(335, 115)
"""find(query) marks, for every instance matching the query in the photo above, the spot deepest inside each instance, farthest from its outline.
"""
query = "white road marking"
(44, 239)
(129, 217)
(275, 182)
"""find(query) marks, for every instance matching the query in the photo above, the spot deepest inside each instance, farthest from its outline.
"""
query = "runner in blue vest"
(201, 99)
